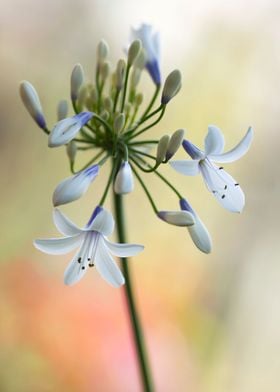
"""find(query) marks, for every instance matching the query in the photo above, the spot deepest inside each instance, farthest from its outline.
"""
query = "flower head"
(150, 42)
(65, 130)
(224, 187)
(94, 249)
(72, 188)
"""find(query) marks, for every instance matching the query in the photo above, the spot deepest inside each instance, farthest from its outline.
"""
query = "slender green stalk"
(135, 322)
(125, 87)
(144, 188)
(148, 126)
(151, 104)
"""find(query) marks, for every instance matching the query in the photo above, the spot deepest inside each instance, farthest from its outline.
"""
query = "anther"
(79, 259)
(236, 184)
(223, 196)
(225, 187)
(221, 168)
(83, 267)
(91, 265)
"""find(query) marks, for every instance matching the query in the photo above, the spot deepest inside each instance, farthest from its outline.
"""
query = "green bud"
(174, 143)
(120, 72)
(140, 61)
(172, 86)
(83, 95)
(71, 150)
(135, 77)
(119, 122)
(108, 104)
(105, 70)
(162, 148)
(133, 51)
(139, 99)
(102, 51)
(105, 115)
(62, 110)
(77, 79)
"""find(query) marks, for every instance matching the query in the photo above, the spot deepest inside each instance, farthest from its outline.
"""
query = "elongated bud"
(71, 150)
(32, 103)
(82, 96)
(172, 86)
(62, 109)
(162, 148)
(133, 51)
(77, 79)
(72, 188)
(177, 218)
(105, 115)
(124, 180)
(140, 61)
(108, 104)
(198, 231)
(102, 51)
(119, 122)
(135, 78)
(120, 72)
(105, 70)
(174, 143)
(139, 99)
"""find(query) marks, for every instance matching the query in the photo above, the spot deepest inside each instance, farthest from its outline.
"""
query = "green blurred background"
(212, 322)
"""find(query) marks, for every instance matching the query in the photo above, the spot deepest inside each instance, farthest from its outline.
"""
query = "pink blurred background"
(212, 322)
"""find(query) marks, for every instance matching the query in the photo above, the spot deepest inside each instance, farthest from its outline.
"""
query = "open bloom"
(94, 247)
(65, 130)
(150, 42)
(198, 231)
(225, 188)
(72, 188)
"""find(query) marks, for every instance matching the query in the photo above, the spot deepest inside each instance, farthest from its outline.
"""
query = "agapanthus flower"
(74, 187)
(150, 42)
(94, 248)
(223, 186)
(65, 130)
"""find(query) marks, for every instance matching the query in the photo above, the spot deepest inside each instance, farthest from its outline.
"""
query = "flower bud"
(133, 51)
(32, 103)
(102, 51)
(72, 188)
(139, 99)
(105, 70)
(172, 86)
(140, 61)
(162, 148)
(82, 96)
(108, 104)
(105, 115)
(135, 77)
(198, 231)
(77, 79)
(119, 122)
(177, 218)
(174, 143)
(71, 150)
(124, 179)
(120, 72)
(62, 109)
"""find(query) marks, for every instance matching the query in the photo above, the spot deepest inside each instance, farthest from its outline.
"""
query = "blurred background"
(212, 322)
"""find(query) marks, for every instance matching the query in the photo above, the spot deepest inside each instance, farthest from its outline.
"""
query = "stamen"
(236, 184)
(91, 265)
(83, 267)
(223, 196)
(221, 168)
(225, 187)
(79, 259)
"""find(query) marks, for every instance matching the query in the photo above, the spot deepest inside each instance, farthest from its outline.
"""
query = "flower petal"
(58, 246)
(186, 167)
(237, 152)
(214, 141)
(64, 225)
(200, 235)
(123, 250)
(103, 222)
(107, 266)
(177, 218)
(224, 187)
(74, 187)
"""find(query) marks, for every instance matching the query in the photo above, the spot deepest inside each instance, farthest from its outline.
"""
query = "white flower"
(94, 247)
(72, 188)
(225, 188)
(124, 179)
(150, 42)
(65, 130)
(198, 231)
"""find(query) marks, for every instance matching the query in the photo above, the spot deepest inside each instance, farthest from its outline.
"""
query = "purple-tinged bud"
(32, 103)
(174, 143)
(171, 86)
(177, 218)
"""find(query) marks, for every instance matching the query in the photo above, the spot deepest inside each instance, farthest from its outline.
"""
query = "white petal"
(177, 218)
(107, 266)
(78, 266)
(74, 187)
(58, 246)
(237, 152)
(124, 179)
(224, 187)
(102, 223)
(123, 250)
(64, 225)
(214, 141)
(200, 236)
(186, 167)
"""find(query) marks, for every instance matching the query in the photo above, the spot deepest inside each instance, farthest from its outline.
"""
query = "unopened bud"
(174, 143)
(177, 218)
(120, 72)
(105, 115)
(140, 61)
(162, 148)
(108, 104)
(139, 99)
(77, 79)
(119, 122)
(105, 70)
(32, 103)
(71, 150)
(62, 110)
(102, 51)
(133, 51)
(124, 179)
(135, 77)
(172, 86)
(82, 96)
(94, 96)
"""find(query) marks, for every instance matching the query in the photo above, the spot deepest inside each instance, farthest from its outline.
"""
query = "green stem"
(133, 135)
(125, 87)
(144, 187)
(134, 319)
(151, 104)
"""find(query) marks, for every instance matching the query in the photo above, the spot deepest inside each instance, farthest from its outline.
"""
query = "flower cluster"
(106, 120)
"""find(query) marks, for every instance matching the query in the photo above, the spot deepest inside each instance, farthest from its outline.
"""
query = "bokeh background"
(212, 322)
